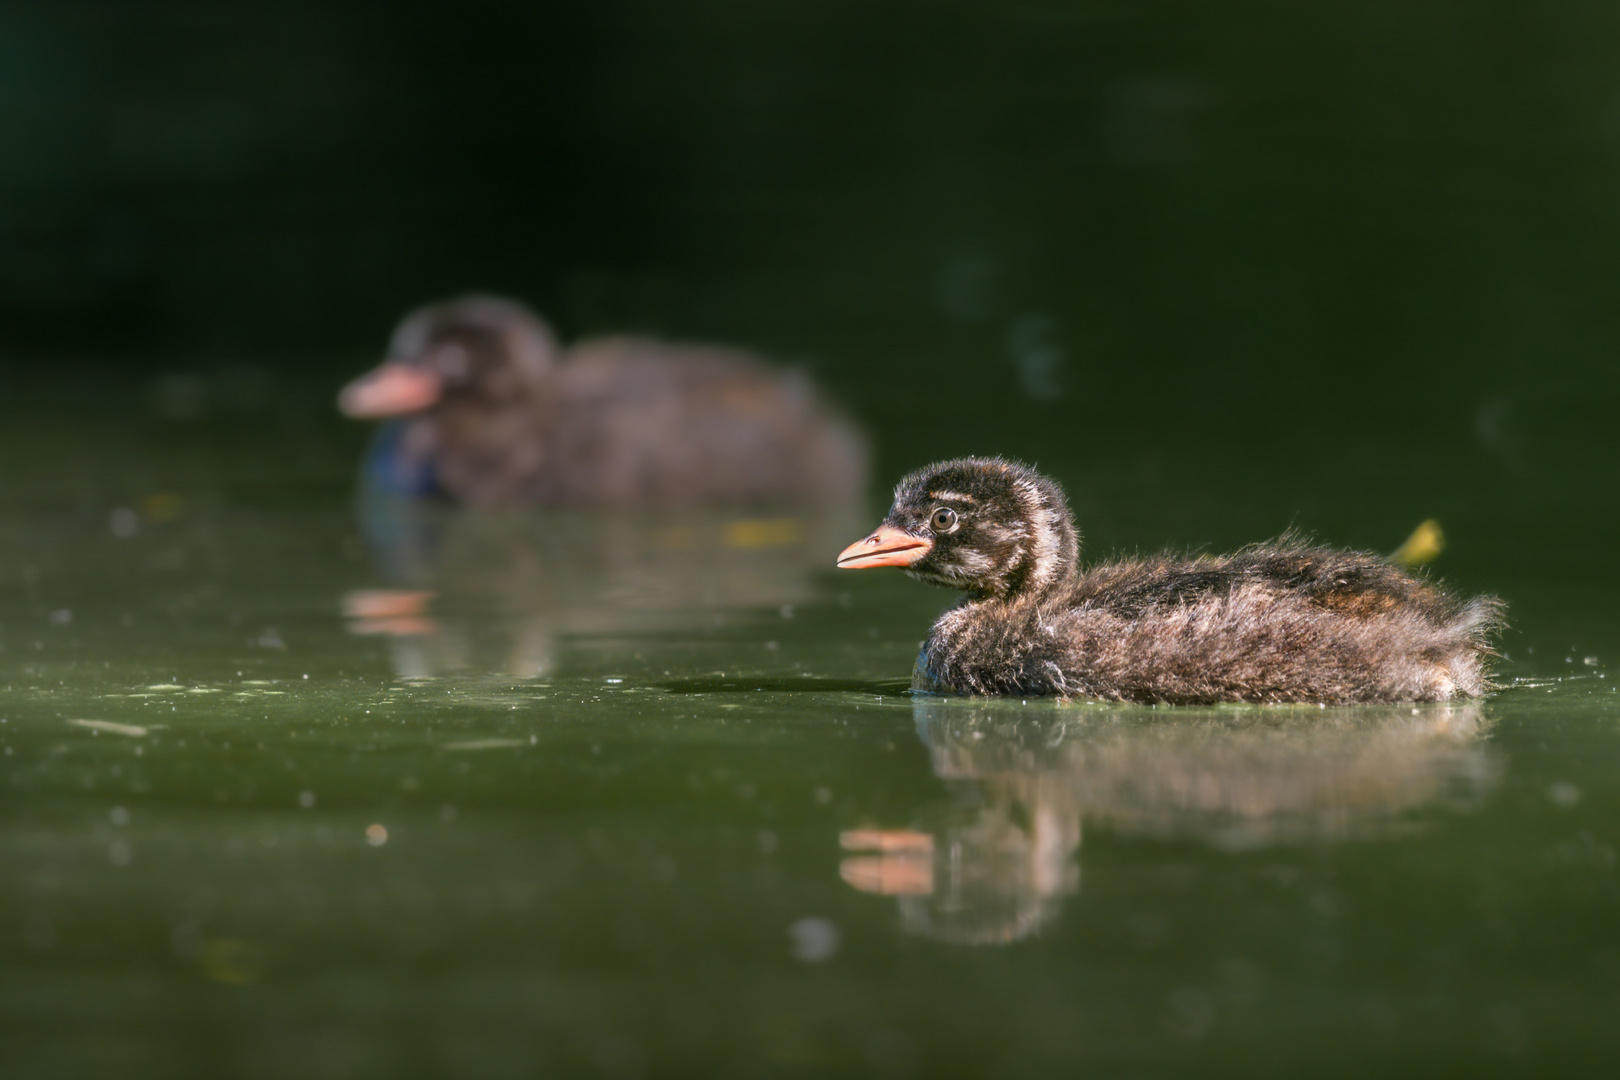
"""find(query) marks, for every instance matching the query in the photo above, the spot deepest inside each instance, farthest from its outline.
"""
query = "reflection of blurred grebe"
(993, 865)
(492, 411)
(498, 591)
(1277, 622)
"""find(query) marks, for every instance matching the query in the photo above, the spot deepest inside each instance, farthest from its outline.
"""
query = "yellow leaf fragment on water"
(162, 506)
(486, 744)
(1422, 546)
(763, 533)
(230, 961)
(110, 728)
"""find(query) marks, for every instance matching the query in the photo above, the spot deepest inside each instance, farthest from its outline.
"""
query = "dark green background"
(1322, 220)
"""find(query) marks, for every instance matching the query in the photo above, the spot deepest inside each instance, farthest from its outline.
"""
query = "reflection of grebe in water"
(499, 591)
(993, 865)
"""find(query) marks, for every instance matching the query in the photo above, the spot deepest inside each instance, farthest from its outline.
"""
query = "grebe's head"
(473, 346)
(985, 526)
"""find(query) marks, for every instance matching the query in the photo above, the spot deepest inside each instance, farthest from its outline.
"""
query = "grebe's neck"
(1049, 556)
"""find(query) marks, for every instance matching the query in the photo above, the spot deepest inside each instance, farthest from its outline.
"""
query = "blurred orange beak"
(886, 547)
(394, 389)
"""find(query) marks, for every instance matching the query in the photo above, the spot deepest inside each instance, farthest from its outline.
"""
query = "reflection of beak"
(905, 866)
(394, 612)
(888, 546)
(889, 875)
(394, 389)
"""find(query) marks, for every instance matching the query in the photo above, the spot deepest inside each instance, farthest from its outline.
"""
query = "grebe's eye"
(943, 521)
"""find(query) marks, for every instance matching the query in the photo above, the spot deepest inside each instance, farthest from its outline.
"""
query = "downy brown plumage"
(484, 407)
(1280, 621)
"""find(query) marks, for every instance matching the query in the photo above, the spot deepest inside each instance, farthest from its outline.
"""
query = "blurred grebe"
(485, 408)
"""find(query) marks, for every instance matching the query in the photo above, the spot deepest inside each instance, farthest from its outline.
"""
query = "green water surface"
(639, 798)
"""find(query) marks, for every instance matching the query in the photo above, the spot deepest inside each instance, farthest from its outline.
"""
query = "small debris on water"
(376, 835)
(487, 744)
(269, 638)
(814, 939)
(1564, 794)
(130, 730)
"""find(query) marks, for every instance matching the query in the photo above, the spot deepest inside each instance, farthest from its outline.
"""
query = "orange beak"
(394, 389)
(887, 547)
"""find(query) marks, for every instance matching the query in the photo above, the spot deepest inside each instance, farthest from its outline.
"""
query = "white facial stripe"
(951, 496)
(1044, 548)
(975, 562)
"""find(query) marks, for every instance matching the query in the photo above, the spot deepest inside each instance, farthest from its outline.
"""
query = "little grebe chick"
(484, 407)
(1282, 621)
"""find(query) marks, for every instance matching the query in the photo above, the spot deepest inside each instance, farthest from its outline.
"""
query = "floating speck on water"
(823, 796)
(124, 522)
(814, 939)
(1564, 794)
(613, 681)
(130, 730)
(306, 799)
(61, 617)
(376, 835)
(767, 841)
(1590, 661)
(119, 816)
(488, 744)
